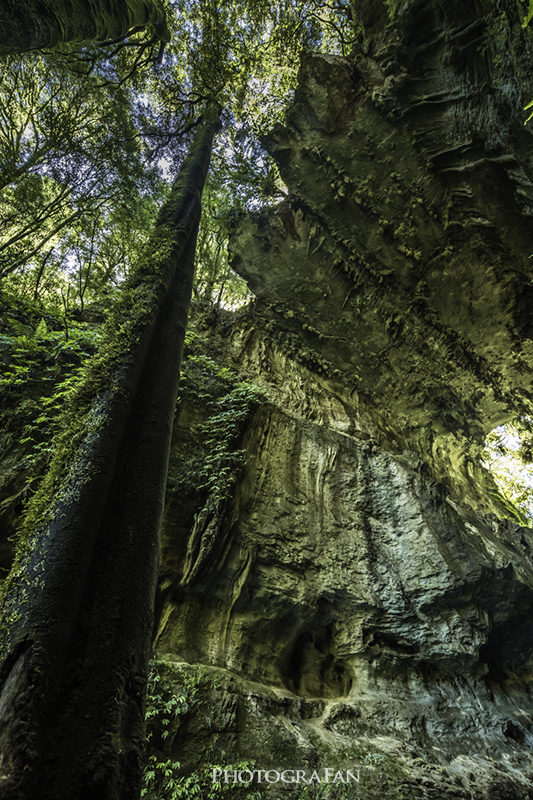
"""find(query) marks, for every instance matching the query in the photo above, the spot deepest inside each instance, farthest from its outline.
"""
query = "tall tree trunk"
(34, 24)
(79, 604)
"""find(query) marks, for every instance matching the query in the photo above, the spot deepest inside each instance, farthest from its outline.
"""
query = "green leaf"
(41, 329)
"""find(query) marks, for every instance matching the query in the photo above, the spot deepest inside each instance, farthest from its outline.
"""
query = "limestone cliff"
(401, 257)
(359, 597)
(343, 609)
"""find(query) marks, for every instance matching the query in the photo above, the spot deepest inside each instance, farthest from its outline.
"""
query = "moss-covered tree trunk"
(78, 607)
(33, 24)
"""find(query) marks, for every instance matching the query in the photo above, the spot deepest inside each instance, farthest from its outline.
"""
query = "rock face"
(344, 611)
(359, 599)
(401, 258)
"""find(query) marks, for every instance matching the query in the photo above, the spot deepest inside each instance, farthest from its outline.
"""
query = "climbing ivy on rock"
(212, 454)
(172, 693)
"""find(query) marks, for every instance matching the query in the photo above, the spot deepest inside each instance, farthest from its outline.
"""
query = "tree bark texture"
(34, 24)
(79, 609)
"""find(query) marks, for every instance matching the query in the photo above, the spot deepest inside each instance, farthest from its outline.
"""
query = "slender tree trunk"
(40, 273)
(79, 605)
(34, 24)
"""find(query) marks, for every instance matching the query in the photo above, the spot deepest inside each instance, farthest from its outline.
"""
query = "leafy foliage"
(164, 702)
(39, 368)
(215, 459)
(509, 457)
(69, 159)
(90, 135)
(529, 15)
(216, 282)
(169, 700)
(163, 781)
(39, 371)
